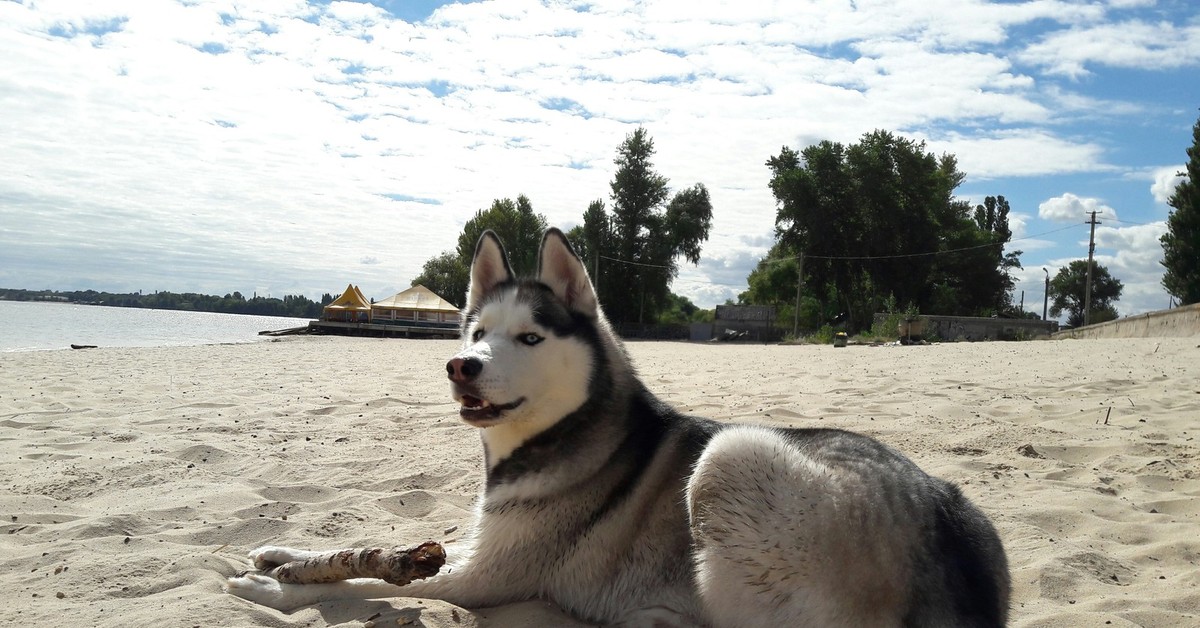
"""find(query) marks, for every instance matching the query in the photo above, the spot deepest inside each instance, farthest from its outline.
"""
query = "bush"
(823, 336)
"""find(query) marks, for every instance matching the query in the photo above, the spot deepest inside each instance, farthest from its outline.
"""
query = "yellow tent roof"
(416, 298)
(351, 299)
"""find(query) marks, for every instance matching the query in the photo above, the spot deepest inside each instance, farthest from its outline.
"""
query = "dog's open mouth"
(479, 411)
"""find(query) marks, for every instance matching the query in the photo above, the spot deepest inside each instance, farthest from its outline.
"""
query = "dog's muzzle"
(481, 412)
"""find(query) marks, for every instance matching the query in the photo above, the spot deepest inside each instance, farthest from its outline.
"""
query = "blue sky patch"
(407, 198)
(213, 48)
(95, 28)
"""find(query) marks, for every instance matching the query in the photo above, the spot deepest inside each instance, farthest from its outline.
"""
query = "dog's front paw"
(269, 556)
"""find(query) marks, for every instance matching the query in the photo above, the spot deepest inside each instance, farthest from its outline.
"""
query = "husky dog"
(606, 501)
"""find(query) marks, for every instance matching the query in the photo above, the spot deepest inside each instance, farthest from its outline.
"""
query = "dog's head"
(530, 346)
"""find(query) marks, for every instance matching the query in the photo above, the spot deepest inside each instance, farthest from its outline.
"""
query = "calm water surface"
(34, 326)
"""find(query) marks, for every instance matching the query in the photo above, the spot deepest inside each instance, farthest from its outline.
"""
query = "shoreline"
(137, 478)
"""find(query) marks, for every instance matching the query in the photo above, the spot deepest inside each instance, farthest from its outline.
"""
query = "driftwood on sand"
(396, 566)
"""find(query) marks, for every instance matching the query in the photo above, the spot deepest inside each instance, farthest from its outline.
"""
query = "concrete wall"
(953, 328)
(1180, 322)
(971, 328)
(757, 320)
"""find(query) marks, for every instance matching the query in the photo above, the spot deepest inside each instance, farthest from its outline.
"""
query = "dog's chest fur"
(611, 531)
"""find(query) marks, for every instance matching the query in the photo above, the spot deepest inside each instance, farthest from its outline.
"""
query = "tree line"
(860, 228)
(864, 217)
(295, 306)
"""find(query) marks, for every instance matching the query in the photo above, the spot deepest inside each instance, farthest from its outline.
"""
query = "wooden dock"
(375, 330)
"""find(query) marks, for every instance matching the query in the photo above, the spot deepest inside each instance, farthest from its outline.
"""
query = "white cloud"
(1071, 208)
(1165, 182)
(1127, 44)
(1022, 152)
(1133, 255)
(280, 151)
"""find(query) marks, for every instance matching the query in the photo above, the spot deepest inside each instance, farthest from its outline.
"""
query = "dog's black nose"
(463, 370)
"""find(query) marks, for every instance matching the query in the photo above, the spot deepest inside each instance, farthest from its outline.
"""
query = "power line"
(613, 259)
(911, 255)
(864, 257)
(709, 283)
(1127, 222)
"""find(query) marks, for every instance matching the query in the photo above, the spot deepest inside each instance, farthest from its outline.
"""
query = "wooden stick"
(396, 566)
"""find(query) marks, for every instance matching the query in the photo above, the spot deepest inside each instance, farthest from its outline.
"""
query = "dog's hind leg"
(784, 540)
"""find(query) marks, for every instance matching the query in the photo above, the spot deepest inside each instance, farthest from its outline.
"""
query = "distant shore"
(295, 306)
(137, 478)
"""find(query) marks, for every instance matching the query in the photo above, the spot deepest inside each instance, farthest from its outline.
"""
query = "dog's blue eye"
(477, 335)
(530, 339)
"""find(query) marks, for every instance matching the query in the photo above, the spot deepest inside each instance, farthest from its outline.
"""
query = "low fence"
(746, 322)
(972, 328)
(639, 331)
(1179, 322)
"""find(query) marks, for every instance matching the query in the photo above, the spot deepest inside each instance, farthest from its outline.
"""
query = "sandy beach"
(134, 481)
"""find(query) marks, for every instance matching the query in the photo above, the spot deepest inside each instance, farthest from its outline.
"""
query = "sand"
(134, 481)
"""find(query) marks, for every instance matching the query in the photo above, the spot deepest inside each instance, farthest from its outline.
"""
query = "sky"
(280, 147)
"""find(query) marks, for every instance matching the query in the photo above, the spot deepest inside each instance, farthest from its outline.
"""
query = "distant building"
(351, 307)
(418, 306)
(757, 321)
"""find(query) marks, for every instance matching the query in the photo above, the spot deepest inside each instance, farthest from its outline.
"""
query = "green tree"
(1068, 291)
(992, 219)
(448, 274)
(592, 238)
(644, 233)
(679, 312)
(879, 217)
(773, 280)
(519, 228)
(1181, 242)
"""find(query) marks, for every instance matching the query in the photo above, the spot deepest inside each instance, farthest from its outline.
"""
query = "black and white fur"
(606, 501)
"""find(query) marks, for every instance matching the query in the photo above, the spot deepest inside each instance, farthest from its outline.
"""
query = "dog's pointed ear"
(489, 268)
(562, 270)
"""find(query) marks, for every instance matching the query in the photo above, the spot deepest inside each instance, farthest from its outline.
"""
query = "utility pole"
(1087, 290)
(1046, 295)
(799, 284)
(596, 269)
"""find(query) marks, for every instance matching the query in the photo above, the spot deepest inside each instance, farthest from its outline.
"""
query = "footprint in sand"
(303, 493)
(273, 510)
(1186, 507)
(411, 505)
(1102, 568)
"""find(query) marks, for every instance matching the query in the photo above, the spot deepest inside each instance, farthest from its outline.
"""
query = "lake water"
(39, 325)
